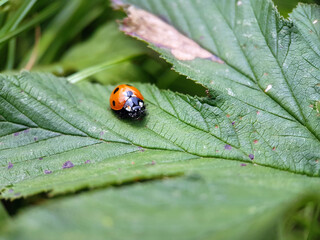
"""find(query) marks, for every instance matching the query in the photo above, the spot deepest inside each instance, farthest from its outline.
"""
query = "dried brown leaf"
(152, 29)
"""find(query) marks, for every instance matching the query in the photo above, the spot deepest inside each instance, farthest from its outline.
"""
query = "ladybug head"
(134, 107)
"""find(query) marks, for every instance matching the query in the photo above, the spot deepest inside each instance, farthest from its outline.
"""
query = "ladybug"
(127, 102)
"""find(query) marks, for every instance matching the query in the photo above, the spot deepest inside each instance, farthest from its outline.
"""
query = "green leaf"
(218, 200)
(107, 50)
(61, 123)
(107, 56)
(106, 44)
(3, 216)
(270, 67)
(46, 122)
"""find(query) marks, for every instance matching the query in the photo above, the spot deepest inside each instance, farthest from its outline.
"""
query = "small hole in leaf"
(10, 165)
(47, 171)
(67, 164)
(227, 147)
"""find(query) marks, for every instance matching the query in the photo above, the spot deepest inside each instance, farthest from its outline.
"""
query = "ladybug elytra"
(127, 102)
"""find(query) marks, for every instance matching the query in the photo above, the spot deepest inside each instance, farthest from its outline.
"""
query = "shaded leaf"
(218, 200)
(286, 6)
(3, 216)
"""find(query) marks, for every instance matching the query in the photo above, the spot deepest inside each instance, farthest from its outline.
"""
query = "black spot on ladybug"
(116, 90)
(113, 103)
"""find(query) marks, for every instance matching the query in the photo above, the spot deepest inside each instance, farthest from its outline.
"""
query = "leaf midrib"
(207, 132)
(41, 127)
(129, 142)
(184, 150)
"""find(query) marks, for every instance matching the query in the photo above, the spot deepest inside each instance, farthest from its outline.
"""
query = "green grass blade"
(69, 22)
(15, 20)
(2, 2)
(57, 44)
(77, 77)
(36, 20)
(11, 54)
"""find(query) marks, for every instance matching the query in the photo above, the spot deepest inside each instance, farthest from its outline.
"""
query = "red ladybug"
(127, 101)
